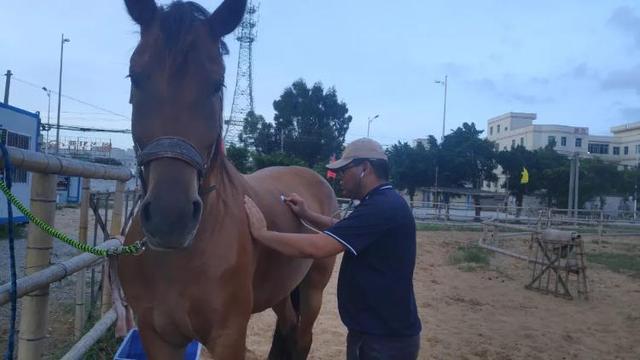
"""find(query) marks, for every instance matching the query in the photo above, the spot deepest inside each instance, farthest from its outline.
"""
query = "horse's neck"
(229, 182)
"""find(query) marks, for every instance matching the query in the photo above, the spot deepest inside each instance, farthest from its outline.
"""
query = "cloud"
(626, 20)
(623, 80)
(630, 113)
(581, 71)
(509, 91)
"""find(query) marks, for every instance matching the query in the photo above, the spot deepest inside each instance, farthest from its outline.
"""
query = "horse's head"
(177, 76)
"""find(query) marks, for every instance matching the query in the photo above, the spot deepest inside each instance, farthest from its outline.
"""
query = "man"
(375, 286)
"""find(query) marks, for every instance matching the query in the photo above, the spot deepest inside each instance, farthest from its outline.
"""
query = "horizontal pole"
(55, 272)
(50, 164)
(510, 226)
(92, 336)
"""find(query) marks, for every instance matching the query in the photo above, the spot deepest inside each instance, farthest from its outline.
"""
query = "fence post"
(601, 226)
(116, 225)
(33, 321)
(80, 275)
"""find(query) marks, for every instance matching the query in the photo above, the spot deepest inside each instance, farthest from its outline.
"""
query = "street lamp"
(62, 41)
(444, 118)
(369, 124)
(444, 113)
(46, 147)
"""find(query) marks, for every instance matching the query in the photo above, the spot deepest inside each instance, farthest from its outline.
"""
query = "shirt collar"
(383, 186)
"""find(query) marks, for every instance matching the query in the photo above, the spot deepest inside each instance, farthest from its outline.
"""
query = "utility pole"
(572, 182)
(369, 123)
(577, 186)
(62, 41)
(46, 147)
(444, 119)
(7, 85)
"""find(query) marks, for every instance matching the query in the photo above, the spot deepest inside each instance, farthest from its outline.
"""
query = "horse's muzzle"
(170, 226)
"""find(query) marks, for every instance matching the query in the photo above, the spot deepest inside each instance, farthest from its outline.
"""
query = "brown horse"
(202, 275)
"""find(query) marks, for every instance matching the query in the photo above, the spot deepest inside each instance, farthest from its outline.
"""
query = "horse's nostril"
(146, 212)
(197, 207)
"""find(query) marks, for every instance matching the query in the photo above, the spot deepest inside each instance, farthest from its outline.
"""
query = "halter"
(175, 148)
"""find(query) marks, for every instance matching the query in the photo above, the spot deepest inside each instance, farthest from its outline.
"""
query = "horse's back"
(285, 180)
(273, 269)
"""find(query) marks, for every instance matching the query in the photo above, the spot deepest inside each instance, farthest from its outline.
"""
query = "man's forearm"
(320, 221)
(295, 245)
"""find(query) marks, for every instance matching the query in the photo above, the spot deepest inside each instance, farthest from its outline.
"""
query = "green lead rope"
(133, 249)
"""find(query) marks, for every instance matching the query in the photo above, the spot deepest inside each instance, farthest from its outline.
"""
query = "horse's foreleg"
(229, 342)
(156, 348)
(311, 290)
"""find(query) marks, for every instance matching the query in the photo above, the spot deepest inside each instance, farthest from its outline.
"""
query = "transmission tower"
(246, 34)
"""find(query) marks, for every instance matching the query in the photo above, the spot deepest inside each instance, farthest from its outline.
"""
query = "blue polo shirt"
(375, 285)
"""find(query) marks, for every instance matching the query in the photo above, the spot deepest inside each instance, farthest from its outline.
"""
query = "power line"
(74, 99)
(46, 127)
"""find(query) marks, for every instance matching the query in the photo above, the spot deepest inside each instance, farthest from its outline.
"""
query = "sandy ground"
(480, 314)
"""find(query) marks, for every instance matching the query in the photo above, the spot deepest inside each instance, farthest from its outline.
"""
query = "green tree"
(240, 158)
(513, 162)
(466, 160)
(310, 124)
(411, 167)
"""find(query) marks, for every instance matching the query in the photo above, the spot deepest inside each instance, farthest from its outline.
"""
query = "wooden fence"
(33, 289)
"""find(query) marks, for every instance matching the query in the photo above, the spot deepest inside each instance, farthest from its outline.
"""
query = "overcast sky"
(573, 62)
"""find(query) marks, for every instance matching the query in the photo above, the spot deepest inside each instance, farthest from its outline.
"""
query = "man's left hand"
(257, 223)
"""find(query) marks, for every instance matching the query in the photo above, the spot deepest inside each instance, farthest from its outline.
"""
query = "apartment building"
(512, 129)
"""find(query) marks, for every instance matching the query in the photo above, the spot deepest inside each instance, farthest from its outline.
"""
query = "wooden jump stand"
(558, 265)
(556, 256)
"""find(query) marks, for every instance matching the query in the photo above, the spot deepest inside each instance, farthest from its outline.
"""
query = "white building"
(18, 129)
(512, 129)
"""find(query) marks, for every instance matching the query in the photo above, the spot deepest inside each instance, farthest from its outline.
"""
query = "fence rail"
(33, 289)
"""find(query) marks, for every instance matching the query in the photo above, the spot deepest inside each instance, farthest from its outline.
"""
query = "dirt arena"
(484, 313)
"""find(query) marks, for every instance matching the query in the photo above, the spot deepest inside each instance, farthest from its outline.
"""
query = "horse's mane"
(176, 23)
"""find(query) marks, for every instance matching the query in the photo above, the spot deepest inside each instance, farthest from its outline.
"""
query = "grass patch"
(19, 231)
(617, 262)
(470, 258)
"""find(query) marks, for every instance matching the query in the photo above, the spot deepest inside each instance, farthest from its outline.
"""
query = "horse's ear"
(142, 11)
(227, 17)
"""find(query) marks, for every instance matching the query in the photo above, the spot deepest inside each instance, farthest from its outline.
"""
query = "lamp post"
(369, 123)
(444, 112)
(444, 119)
(62, 41)
(46, 146)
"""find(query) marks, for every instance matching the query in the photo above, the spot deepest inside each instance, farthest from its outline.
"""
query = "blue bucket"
(131, 348)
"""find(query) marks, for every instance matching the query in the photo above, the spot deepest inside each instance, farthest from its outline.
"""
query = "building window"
(563, 141)
(522, 141)
(637, 149)
(513, 143)
(598, 148)
(616, 150)
(578, 142)
(17, 141)
(626, 150)
(506, 128)
(551, 140)
(490, 130)
(498, 128)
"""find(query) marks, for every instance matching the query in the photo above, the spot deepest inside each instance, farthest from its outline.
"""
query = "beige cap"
(363, 148)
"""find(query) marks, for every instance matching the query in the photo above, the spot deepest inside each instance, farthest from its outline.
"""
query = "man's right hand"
(297, 205)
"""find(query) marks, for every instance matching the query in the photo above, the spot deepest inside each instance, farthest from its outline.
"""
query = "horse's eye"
(217, 88)
(135, 80)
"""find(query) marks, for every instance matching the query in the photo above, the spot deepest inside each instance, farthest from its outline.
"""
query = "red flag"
(330, 173)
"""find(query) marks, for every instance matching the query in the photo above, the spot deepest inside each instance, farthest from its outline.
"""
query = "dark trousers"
(371, 347)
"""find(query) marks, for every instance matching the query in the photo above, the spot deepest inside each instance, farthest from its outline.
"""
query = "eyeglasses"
(344, 169)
